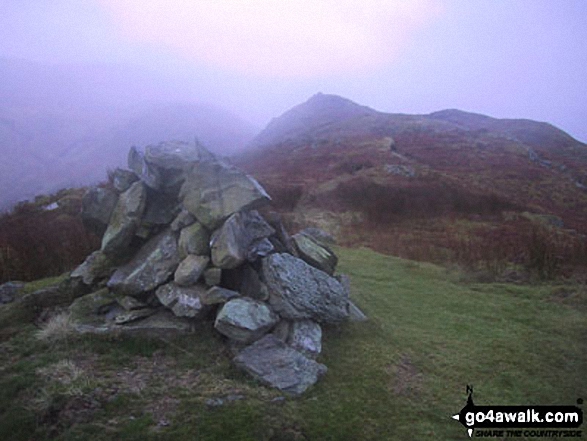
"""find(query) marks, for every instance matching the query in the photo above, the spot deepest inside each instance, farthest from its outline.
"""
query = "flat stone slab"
(274, 363)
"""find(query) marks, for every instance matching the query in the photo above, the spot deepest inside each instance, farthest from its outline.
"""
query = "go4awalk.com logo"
(518, 421)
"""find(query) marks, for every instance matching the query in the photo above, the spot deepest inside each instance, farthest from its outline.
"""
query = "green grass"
(400, 375)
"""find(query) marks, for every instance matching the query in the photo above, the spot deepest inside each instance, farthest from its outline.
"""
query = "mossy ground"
(399, 376)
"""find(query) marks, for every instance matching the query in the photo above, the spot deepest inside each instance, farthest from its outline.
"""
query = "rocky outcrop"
(184, 243)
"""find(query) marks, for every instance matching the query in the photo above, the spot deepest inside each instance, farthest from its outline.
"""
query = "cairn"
(182, 241)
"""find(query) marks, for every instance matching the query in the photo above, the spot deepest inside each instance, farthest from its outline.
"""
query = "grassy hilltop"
(400, 375)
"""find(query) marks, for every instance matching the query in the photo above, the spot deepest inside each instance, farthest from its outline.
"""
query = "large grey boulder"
(125, 219)
(272, 362)
(152, 266)
(315, 254)
(214, 190)
(96, 266)
(97, 206)
(245, 320)
(190, 269)
(194, 239)
(242, 237)
(183, 301)
(300, 291)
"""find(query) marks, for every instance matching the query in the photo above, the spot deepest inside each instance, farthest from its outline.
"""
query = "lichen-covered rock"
(194, 239)
(242, 237)
(183, 301)
(190, 269)
(272, 362)
(152, 266)
(125, 219)
(299, 291)
(97, 206)
(216, 295)
(245, 320)
(313, 253)
(96, 266)
(214, 190)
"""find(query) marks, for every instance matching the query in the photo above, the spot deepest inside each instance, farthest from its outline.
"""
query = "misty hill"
(370, 177)
(62, 126)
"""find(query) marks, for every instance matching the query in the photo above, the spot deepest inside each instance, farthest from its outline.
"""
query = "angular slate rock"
(214, 190)
(130, 303)
(194, 239)
(320, 236)
(134, 315)
(182, 220)
(146, 173)
(274, 363)
(122, 179)
(97, 206)
(242, 237)
(155, 262)
(216, 295)
(125, 219)
(299, 291)
(177, 155)
(245, 320)
(183, 302)
(96, 266)
(190, 269)
(315, 254)
(213, 276)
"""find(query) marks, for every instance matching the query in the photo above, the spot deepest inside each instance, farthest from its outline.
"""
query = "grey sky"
(257, 58)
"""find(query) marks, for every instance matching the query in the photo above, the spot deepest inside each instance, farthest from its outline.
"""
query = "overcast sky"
(258, 58)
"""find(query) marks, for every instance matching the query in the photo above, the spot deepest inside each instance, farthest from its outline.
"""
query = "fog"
(81, 75)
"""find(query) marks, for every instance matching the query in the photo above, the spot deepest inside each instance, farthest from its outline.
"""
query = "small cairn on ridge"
(182, 241)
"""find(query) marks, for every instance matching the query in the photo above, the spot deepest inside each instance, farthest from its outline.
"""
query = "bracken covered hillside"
(449, 186)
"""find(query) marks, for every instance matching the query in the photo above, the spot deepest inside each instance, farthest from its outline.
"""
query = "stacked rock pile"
(182, 241)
